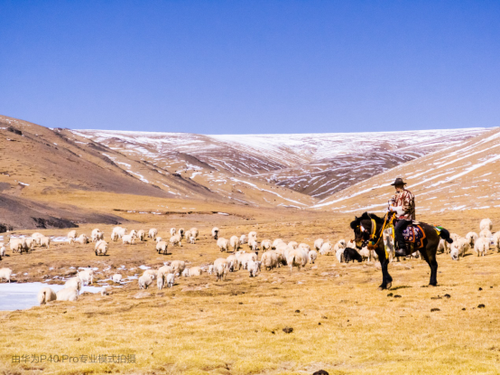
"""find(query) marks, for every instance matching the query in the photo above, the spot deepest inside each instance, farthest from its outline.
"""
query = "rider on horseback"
(403, 204)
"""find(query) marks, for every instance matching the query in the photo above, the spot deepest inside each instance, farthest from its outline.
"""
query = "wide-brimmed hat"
(399, 181)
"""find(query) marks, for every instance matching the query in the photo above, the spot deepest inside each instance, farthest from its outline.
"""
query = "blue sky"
(216, 67)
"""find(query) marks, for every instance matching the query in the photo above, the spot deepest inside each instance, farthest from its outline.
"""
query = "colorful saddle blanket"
(415, 235)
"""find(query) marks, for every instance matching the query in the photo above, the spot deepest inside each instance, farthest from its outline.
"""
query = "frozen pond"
(14, 296)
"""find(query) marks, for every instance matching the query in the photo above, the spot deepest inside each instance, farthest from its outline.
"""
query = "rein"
(372, 245)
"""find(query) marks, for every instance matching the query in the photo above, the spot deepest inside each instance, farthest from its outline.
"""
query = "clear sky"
(216, 67)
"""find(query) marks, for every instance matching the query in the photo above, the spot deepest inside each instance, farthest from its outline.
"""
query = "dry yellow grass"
(340, 321)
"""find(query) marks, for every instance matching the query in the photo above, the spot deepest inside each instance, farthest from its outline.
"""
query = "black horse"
(368, 230)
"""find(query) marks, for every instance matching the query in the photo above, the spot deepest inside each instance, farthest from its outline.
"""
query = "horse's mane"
(365, 216)
(370, 216)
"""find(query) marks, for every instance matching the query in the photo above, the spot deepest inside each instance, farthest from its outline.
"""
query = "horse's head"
(362, 227)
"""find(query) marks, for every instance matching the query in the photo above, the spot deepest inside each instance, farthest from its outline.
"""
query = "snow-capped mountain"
(317, 165)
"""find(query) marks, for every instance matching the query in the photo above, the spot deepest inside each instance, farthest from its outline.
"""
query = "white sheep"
(82, 239)
(253, 268)
(293, 244)
(318, 243)
(365, 254)
(153, 232)
(234, 242)
(454, 236)
(266, 244)
(176, 240)
(253, 244)
(101, 247)
(36, 236)
(165, 270)
(444, 246)
(5, 273)
(482, 246)
(178, 266)
(221, 269)
(115, 236)
(151, 273)
(234, 263)
(283, 250)
(145, 281)
(304, 246)
(185, 273)
(128, 239)
(351, 244)
(173, 231)
(243, 239)
(215, 233)
(160, 280)
(313, 255)
(339, 245)
(276, 243)
(459, 248)
(195, 271)
(17, 244)
(339, 254)
(253, 235)
(44, 242)
(211, 269)
(496, 240)
(471, 237)
(67, 294)
(170, 279)
(46, 295)
(194, 232)
(326, 249)
(191, 239)
(223, 244)
(161, 247)
(119, 231)
(2, 251)
(71, 234)
(486, 224)
(141, 234)
(181, 232)
(269, 260)
(485, 233)
(296, 258)
(74, 282)
(29, 243)
(117, 278)
(86, 276)
(162, 276)
(96, 235)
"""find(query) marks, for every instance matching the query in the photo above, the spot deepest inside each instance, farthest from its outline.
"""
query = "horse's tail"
(445, 235)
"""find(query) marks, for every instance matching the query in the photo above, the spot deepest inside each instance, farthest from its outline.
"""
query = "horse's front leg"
(384, 263)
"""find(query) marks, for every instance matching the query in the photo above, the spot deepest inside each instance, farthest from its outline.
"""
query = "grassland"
(341, 322)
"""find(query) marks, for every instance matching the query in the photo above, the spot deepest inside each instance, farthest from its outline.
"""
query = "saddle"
(414, 235)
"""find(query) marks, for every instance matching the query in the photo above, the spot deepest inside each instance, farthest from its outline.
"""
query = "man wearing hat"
(403, 203)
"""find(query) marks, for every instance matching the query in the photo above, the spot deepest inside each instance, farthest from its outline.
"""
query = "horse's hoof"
(381, 287)
(389, 285)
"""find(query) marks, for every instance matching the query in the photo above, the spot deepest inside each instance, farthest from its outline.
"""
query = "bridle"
(375, 238)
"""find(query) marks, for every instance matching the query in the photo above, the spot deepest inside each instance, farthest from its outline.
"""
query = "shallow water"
(14, 296)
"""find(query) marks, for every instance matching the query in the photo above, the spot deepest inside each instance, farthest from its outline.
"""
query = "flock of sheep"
(275, 254)
(480, 243)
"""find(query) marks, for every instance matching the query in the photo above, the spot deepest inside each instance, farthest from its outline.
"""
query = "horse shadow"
(401, 287)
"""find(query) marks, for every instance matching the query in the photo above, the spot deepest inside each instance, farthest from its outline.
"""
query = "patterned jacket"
(406, 200)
